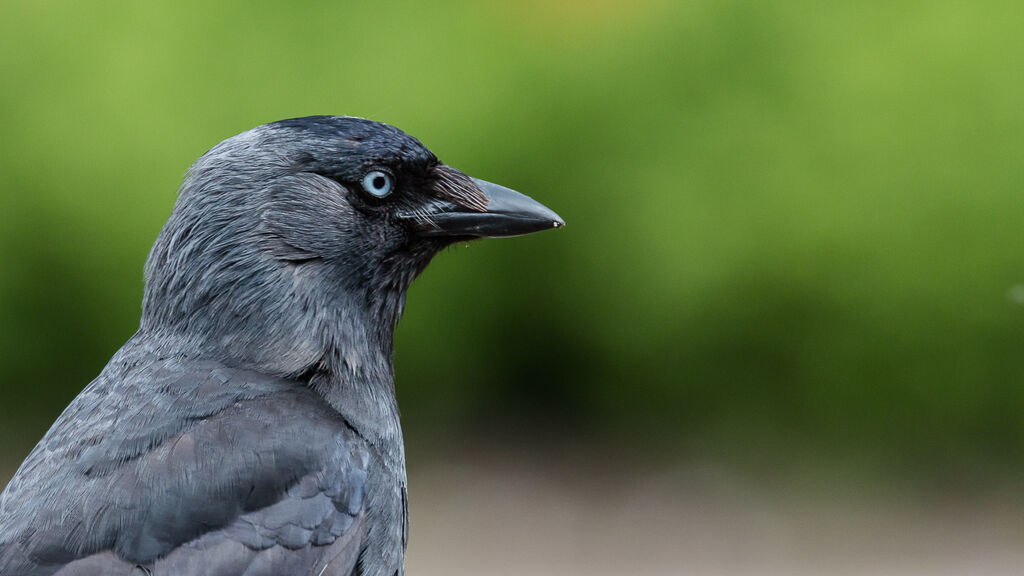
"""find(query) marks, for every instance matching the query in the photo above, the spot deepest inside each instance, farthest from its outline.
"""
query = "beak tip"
(550, 215)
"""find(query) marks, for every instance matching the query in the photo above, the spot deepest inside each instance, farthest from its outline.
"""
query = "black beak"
(508, 213)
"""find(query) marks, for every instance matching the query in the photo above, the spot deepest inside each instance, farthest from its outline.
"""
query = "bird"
(250, 425)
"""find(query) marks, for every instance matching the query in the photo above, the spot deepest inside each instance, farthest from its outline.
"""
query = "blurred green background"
(794, 228)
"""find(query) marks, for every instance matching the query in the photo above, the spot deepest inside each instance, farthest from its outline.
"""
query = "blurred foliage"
(793, 227)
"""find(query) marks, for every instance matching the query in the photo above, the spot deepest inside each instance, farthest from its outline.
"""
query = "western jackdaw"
(250, 425)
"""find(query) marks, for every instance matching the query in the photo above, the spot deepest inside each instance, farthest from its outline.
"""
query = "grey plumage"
(250, 425)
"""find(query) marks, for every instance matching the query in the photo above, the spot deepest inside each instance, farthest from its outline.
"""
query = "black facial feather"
(456, 187)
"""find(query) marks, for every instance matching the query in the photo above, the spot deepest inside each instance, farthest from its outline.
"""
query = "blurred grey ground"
(504, 515)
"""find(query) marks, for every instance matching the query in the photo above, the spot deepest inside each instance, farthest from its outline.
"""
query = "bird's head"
(303, 235)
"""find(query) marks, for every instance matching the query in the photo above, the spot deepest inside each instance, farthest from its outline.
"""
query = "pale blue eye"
(378, 183)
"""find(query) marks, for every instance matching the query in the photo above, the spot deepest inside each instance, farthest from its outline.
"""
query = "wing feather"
(187, 468)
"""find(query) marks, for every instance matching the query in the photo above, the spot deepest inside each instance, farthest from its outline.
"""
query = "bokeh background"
(781, 333)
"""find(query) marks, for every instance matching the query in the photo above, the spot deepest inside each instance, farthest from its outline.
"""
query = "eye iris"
(377, 183)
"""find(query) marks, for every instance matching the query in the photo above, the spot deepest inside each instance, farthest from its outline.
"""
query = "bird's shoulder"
(159, 455)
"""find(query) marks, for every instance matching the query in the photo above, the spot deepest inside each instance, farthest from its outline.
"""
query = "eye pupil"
(379, 182)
